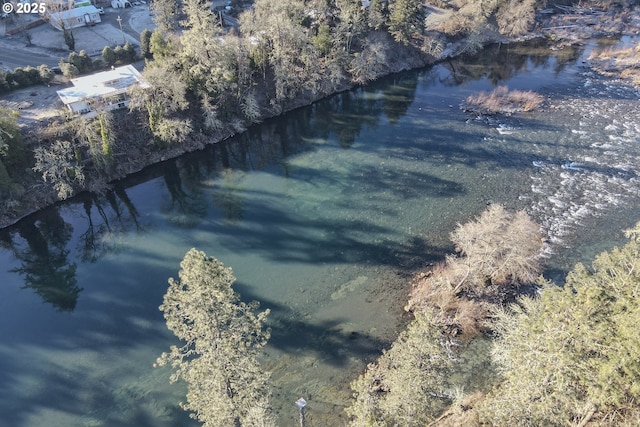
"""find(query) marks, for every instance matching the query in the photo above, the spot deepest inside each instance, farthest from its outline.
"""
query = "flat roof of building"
(74, 13)
(99, 85)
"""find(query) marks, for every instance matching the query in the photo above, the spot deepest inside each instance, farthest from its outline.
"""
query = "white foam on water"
(602, 171)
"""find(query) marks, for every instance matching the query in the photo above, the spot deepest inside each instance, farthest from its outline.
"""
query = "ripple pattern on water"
(601, 173)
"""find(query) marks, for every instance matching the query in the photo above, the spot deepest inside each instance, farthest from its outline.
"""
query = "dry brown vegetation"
(511, 17)
(502, 100)
(497, 253)
(588, 19)
(516, 17)
(621, 63)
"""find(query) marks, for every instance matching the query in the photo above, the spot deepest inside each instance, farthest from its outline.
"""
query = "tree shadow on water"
(72, 395)
(328, 340)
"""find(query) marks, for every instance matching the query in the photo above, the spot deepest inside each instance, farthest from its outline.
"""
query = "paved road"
(12, 58)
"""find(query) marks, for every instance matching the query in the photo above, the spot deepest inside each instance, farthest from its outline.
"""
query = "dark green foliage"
(164, 15)
(118, 52)
(24, 77)
(406, 19)
(5, 180)
(106, 140)
(20, 78)
(69, 70)
(69, 39)
(12, 149)
(145, 44)
(82, 61)
(77, 64)
(410, 383)
(158, 46)
(5, 81)
(45, 73)
(108, 56)
(322, 40)
(97, 64)
(377, 14)
(128, 54)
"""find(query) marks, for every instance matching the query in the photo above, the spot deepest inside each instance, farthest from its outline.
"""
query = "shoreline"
(41, 195)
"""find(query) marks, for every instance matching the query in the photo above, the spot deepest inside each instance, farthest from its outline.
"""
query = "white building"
(108, 90)
(120, 4)
(73, 18)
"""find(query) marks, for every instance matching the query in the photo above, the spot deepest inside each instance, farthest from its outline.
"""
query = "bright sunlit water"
(323, 215)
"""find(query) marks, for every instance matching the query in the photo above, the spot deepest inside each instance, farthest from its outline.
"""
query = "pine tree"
(406, 18)
(222, 337)
(571, 356)
(410, 383)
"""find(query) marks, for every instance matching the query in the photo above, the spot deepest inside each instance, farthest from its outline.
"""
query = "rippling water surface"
(323, 216)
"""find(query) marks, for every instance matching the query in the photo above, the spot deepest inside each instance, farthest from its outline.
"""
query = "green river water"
(323, 214)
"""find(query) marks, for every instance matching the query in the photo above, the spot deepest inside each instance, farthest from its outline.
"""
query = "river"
(323, 214)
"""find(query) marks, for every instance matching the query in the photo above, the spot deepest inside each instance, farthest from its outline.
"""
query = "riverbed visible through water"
(324, 214)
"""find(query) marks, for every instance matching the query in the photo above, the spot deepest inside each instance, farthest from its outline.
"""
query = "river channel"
(323, 214)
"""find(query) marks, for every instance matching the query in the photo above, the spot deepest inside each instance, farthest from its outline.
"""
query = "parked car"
(100, 10)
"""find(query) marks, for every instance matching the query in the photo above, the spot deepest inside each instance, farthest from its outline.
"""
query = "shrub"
(18, 77)
(322, 40)
(516, 17)
(81, 61)
(409, 384)
(69, 70)
(33, 76)
(159, 46)
(129, 54)
(86, 63)
(97, 64)
(145, 44)
(23, 77)
(118, 53)
(108, 56)
(502, 100)
(618, 63)
(5, 81)
(45, 74)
